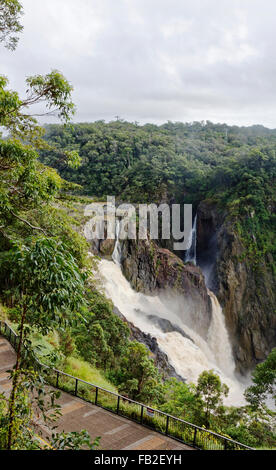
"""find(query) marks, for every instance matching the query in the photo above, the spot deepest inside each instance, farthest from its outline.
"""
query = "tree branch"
(28, 223)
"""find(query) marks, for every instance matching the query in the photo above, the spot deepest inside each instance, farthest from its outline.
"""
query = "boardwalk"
(116, 433)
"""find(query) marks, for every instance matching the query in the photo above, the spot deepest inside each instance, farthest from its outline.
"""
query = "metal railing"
(166, 424)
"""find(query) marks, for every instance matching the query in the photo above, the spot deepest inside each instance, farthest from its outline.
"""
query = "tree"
(30, 386)
(180, 399)
(102, 337)
(66, 342)
(264, 382)
(138, 368)
(48, 286)
(52, 90)
(101, 352)
(41, 274)
(25, 183)
(211, 390)
(10, 13)
(36, 409)
(253, 427)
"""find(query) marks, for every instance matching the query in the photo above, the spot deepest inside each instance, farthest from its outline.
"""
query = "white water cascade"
(191, 251)
(116, 255)
(188, 355)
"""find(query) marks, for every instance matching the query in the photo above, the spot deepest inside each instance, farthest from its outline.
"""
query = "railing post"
(118, 405)
(57, 379)
(225, 444)
(141, 417)
(10, 336)
(96, 397)
(167, 425)
(76, 388)
(195, 433)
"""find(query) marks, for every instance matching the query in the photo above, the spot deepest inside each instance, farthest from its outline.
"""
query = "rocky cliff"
(247, 293)
(151, 269)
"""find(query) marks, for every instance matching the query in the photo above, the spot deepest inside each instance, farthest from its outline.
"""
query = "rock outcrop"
(151, 269)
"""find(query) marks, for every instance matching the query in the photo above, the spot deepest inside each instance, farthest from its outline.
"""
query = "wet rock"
(154, 270)
(106, 247)
(166, 326)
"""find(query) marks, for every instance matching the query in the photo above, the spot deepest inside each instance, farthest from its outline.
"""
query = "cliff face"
(151, 269)
(246, 293)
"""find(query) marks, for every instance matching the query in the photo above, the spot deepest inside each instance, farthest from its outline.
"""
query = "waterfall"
(116, 255)
(191, 251)
(218, 338)
(189, 355)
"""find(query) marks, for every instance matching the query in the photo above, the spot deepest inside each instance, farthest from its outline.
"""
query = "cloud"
(154, 60)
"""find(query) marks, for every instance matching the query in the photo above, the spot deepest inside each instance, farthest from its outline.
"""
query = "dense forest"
(177, 162)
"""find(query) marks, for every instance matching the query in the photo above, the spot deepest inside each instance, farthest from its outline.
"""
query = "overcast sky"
(154, 60)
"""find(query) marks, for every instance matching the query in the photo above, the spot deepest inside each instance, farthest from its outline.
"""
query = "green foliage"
(235, 167)
(35, 403)
(47, 285)
(29, 385)
(74, 441)
(211, 391)
(54, 90)
(102, 337)
(264, 382)
(10, 12)
(77, 367)
(181, 400)
(248, 426)
(139, 378)
(66, 343)
(45, 280)
(25, 184)
(28, 188)
(41, 277)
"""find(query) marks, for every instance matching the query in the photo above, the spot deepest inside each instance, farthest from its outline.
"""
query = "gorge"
(191, 344)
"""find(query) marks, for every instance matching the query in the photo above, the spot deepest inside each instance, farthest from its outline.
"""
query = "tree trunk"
(15, 380)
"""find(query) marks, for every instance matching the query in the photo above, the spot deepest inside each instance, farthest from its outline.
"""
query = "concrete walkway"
(116, 433)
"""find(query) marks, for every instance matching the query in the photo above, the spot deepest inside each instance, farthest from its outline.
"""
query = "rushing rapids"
(189, 357)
